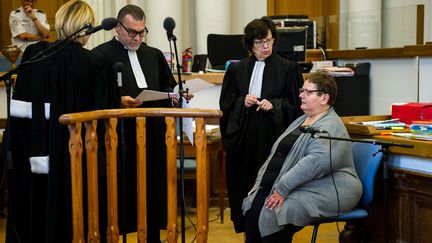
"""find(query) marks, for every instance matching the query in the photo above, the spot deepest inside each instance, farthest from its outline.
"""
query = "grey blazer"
(305, 178)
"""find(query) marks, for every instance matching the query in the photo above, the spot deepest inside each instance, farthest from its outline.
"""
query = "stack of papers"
(413, 136)
(339, 71)
(383, 124)
(194, 85)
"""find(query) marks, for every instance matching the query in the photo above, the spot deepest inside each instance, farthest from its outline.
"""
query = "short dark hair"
(136, 12)
(325, 82)
(258, 29)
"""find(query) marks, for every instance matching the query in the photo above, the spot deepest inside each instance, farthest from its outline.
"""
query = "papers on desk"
(413, 136)
(383, 124)
(215, 70)
(339, 71)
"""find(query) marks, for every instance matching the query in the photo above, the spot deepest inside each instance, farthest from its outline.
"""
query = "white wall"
(397, 24)
(399, 21)
(394, 81)
(195, 19)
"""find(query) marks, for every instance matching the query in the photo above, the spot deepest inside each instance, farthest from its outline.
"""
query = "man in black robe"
(144, 67)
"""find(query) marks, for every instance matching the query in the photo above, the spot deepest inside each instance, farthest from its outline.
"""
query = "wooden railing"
(110, 118)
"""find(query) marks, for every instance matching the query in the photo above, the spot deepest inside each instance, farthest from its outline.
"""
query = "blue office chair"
(367, 161)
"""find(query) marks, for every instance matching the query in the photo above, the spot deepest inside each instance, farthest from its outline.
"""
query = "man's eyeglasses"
(309, 91)
(260, 43)
(133, 33)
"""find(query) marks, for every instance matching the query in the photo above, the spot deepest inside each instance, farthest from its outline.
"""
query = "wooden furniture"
(410, 192)
(214, 150)
(217, 78)
(88, 120)
(214, 78)
(358, 130)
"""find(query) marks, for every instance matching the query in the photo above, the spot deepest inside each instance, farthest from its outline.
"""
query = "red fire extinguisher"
(187, 60)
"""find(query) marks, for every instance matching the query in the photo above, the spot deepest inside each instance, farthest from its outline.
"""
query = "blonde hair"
(72, 16)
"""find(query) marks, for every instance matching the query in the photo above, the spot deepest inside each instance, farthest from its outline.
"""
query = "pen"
(390, 128)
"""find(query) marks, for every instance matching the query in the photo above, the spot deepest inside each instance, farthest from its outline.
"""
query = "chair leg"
(315, 233)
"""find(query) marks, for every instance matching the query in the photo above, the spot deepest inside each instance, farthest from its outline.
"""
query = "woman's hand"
(275, 200)
(250, 100)
(129, 102)
(264, 105)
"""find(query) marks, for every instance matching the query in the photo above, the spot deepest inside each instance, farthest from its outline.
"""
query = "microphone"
(118, 67)
(169, 25)
(311, 130)
(107, 24)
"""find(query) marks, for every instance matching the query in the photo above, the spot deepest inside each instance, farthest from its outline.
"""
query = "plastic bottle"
(187, 60)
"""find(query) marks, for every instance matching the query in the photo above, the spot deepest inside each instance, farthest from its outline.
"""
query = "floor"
(224, 233)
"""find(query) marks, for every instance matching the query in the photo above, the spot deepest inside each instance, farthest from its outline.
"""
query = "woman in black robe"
(259, 99)
(64, 81)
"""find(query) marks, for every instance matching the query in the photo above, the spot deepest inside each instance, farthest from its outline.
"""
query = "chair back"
(366, 161)
(222, 48)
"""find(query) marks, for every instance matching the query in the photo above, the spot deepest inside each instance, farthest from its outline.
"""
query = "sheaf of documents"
(194, 85)
(149, 95)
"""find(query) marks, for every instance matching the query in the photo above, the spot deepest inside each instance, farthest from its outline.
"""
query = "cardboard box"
(412, 111)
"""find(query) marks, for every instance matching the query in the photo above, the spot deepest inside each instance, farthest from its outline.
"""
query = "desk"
(409, 195)
(214, 78)
(214, 149)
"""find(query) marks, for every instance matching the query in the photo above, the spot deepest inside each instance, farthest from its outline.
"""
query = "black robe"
(40, 206)
(158, 77)
(248, 134)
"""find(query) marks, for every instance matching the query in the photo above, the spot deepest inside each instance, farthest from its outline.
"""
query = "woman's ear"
(325, 99)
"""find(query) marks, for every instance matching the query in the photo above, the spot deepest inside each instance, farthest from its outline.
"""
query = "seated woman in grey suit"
(294, 187)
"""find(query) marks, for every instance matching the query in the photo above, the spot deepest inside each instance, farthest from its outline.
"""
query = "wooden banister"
(110, 117)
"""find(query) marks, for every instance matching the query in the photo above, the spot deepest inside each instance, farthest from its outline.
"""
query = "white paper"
(371, 123)
(149, 95)
(188, 122)
(196, 84)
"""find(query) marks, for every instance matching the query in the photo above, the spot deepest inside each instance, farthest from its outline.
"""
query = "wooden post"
(142, 179)
(111, 142)
(171, 143)
(75, 151)
(91, 145)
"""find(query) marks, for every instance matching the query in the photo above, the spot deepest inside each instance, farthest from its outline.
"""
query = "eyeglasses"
(133, 33)
(309, 91)
(260, 43)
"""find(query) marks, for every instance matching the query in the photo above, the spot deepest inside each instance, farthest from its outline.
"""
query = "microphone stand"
(6, 78)
(173, 38)
(384, 150)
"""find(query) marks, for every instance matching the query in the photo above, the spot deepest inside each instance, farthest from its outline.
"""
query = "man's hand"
(29, 11)
(129, 102)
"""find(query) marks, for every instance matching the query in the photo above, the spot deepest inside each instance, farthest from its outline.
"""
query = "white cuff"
(39, 164)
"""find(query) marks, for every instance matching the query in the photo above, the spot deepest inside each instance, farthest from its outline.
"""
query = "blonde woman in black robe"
(64, 82)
